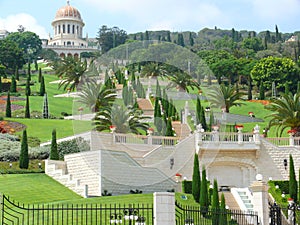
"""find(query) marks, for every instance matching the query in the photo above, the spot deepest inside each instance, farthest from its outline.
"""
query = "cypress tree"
(40, 75)
(24, 159)
(204, 192)
(45, 107)
(29, 72)
(292, 181)
(28, 91)
(198, 110)
(249, 89)
(13, 85)
(27, 110)
(157, 116)
(42, 86)
(158, 90)
(169, 129)
(215, 204)
(191, 39)
(17, 74)
(203, 119)
(223, 214)
(8, 106)
(169, 37)
(211, 120)
(0, 84)
(54, 152)
(196, 182)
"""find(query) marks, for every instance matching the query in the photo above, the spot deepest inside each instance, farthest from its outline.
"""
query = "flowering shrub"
(292, 131)
(239, 126)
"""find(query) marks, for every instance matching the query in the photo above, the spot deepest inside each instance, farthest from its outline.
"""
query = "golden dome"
(68, 12)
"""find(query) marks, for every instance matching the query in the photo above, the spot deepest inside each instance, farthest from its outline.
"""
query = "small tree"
(28, 91)
(13, 85)
(40, 75)
(223, 214)
(204, 193)
(54, 152)
(8, 106)
(196, 182)
(292, 181)
(27, 110)
(42, 86)
(24, 159)
(215, 204)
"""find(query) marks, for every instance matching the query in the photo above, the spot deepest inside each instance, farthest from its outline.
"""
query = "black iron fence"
(76, 214)
(196, 215)
(287, 215)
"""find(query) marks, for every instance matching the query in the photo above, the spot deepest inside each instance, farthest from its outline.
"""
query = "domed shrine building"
(68, 33)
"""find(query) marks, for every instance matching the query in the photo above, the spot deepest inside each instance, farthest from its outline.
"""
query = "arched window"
(69, 28)
(64, 29)
(73, 29)
(59, 29)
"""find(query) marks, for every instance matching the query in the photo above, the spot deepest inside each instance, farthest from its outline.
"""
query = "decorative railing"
(284, 141)
(227, 137)
(144, 139)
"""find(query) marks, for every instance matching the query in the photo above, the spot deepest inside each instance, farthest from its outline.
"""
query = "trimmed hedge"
(187, 186)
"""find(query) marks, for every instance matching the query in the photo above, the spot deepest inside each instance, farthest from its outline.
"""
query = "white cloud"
(12, 22)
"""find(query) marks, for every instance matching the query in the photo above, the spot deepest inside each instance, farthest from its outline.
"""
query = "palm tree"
(224, 97)
(71, 70)
(95, 95)
(182, 81)
(153, 69)
(286, 113)
(125, 119)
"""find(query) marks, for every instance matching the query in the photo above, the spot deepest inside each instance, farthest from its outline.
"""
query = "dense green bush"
(187, 186)
(283, 185)
(72, 146)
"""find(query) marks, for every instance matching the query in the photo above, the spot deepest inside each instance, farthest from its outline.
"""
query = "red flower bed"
(264, 102)
(10, 127)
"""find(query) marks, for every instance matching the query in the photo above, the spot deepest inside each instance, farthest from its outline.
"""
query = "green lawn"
(42, 128)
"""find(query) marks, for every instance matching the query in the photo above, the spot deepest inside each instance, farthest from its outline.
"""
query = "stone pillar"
(198, 137)
(148, 92)
(256, 136)
(240, 136)
(186, 112)
(260, 199)
(164, 208)
(291, 140)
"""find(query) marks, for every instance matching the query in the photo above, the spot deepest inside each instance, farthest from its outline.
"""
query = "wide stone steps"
(181, 130)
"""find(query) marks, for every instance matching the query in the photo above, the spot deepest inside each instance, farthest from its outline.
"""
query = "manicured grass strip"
(34, 188)
(42, 128)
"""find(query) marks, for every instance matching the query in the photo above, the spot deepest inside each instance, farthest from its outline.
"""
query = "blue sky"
(142, 15)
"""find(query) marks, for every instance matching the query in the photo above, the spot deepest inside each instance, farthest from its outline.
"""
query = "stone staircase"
(58, 171)
(243, 198)
(182, 130)
(146, 106)
(278, 154)
(230, 200)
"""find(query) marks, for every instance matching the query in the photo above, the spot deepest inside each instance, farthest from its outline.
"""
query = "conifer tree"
(27, 110)
(17, 74)
(223, 213)
(191, 39)
(13, 85)
(24, 159)
(261, 91)
(8, 106)
(203, 119)
(28, 90)
(0, 84)
(42, 86)
(169, 36)
(211, 120)
(54, 151)
(157, 115)
(40, 75)
(196, 182)
(198, 110)
(215, 204)
(29, 72)
(169, 129)
(249, 89)
(204, 192)
(158, 91)
(292, 181)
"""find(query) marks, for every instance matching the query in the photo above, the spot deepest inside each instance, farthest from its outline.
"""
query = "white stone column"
(186, 112)
(164, 208)
(198, 137)
(260, 199)
(291, 140)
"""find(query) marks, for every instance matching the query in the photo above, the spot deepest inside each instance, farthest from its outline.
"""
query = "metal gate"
(80, 214)
(192, 215)
(284, 215)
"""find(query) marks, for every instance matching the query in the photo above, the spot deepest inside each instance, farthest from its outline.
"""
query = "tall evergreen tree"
(29, 72)
(249, 89)
(203, 119)
(0, 84)
(204, 203)
(198, 110)
(215, 206)
(196, 182)
(169, 129)
(211, 120)
(13, 85)
(27, 110)
(28, 90)
(24, 159)
(8, 106)
(45, 107)
(191, 39)
(292, 181)
(180, 39)
(169, 36)
(42, 86)
(147, 38)
(261, 91)
(223, 213)
(54, 151)
(158, 91)
(40, 75)
(17, 74)
(158, 122)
